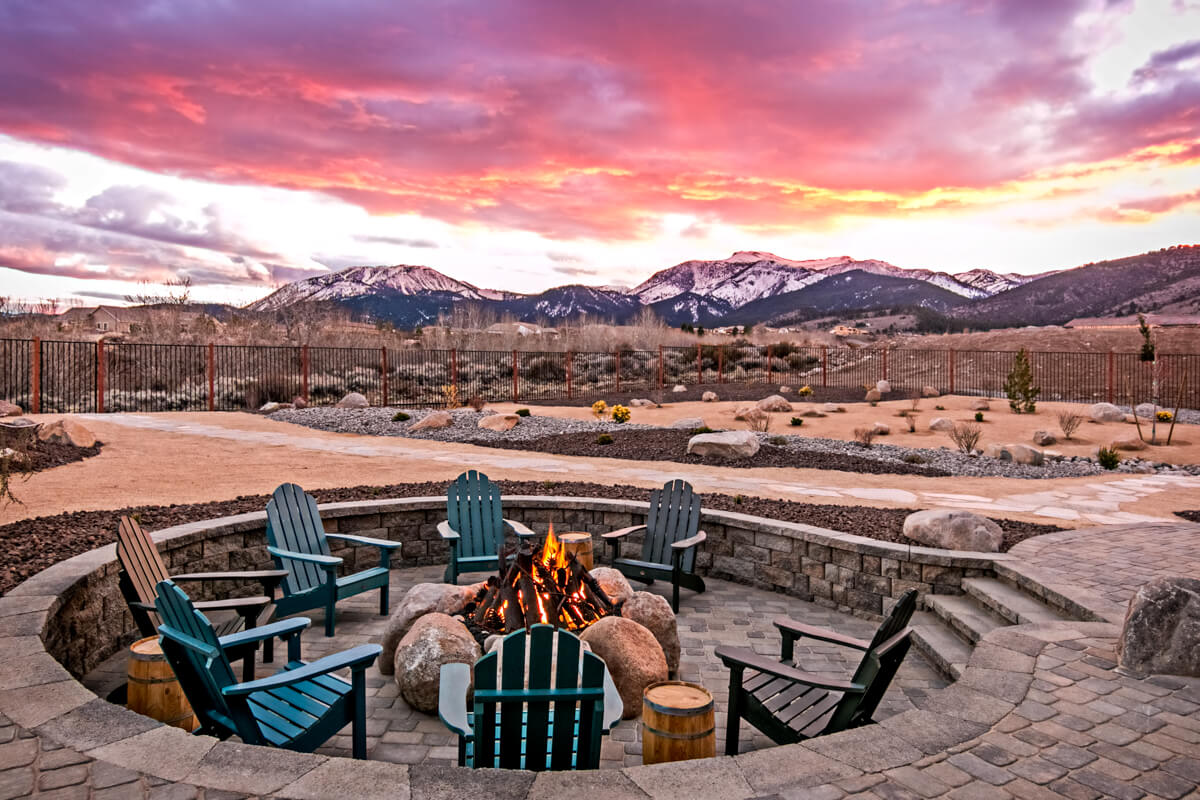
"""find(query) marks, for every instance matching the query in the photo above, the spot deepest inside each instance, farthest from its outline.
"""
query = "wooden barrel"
(153, 688)
(677, 722)
(580, 544)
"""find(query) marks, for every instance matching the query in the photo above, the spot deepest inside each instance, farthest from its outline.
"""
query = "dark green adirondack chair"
(672, 536)
(790, 705)
(298, 542)
(297, 708)
(551, 717)
(475, 525)
(142, 569)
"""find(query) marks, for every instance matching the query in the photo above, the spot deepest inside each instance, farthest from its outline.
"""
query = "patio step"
(1009, 602)
(966, 617)
(947, 651)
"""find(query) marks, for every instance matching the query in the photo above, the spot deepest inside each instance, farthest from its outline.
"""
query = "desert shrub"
(604, 438)
(450, 397)
(546, 370)
(760, 423)
(778, 441)
(269, 389)
(701, 429)
(805, 391)
(979, 416)
(522, 412)
(15, 461)
(400, 416)
(914, 458)
(911, 419)
(599, 408)
(782, 349)
(940, 408)
(1108, 457)
(476, 402)
(865, 436)
(797, 422)
(620, 414)
(1163, 416)
(1022, 394)
(1069, 422)
(965, 436)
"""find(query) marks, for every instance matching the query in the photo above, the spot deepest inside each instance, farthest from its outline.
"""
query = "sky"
(523, 145)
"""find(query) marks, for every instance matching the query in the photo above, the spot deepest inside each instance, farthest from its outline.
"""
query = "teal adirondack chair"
(297, 541)
(551, 717)
(672, 536)
(298, 708)
(475, 525)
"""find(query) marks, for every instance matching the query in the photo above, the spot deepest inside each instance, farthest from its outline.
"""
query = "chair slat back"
(294, 523)
(201, 675)
(474, 511)
(897, 618)
(674, 516)
(887, 657)
(140, 559)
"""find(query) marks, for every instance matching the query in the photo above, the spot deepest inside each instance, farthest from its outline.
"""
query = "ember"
(549, 586)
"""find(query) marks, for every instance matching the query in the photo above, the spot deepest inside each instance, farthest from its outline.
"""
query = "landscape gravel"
(555, 435)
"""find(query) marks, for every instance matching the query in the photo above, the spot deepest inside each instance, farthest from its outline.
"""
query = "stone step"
(942, 647)
(1010, 602)
(964, 615)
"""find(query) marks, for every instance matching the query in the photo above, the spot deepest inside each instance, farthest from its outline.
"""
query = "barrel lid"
(146, 647)
(574, 536)
(678, 694)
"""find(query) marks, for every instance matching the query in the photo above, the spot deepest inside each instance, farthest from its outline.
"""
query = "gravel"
(558, 436)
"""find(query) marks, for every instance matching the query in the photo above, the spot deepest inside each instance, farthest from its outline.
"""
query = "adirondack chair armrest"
(312, 558)
(791, 629)
(617, 534)
(140, 606)
(356, 658)
(452, 698)
(289, 629)
(382, 544)
(519, 529)
(240, 604)
(267, 577)
(683, 545)
(190, 642)
(744, 658)
(445, 531)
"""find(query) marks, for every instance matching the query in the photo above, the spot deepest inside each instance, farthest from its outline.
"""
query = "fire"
(553, 555)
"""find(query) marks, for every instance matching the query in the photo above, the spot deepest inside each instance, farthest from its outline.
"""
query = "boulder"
(953, 530)
(883, 387)
(437, 419)
(633, 656)
(873, 396)
(728, 444)
(653, 612)
(784, 389)
(353, 400)
(813, 414)
(1129, 444)
(641, 402)
(833, 408)
(67, 431)
(774, 403)
(1044, 438)
(930, 391)
(433, 640)
(755, 417)
(1146, 410)
(422, 599)
(709, 397)
(299, 402)
(941, 424)
(1016, 453)
(1106, 412)
(679, 387)
(497, 422)
(980, 404)
(688, 423)
(1161, 633)
(8, 409)
(270, 408)
(881, 429)
(614, 584)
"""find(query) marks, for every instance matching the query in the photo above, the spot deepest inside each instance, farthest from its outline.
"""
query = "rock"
(1146, 410)
(653, 612)
(688, 423)
(813, 414)
(881, 429)
(353, 400)
(1130, 444)
(679, 387)
(784, 389)
(1016, 453)
(709, 397)
(1161, 633)
(422, 599)
(1106, 412)
(941, 424)
(8, 409)
(930, 391)
(774, 403)
(1044, 438)
(433, 640)
(980, 404)
(492, 422)
(873, 396)
(633, 656)
(641, 402)
(67, 431)
(728, 444)
(833, 408)
(437, 419)
(270, 408)
(954, 530)
(299, 402)
(614, 584)
(883, 387)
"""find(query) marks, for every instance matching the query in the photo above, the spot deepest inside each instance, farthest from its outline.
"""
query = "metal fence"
(58, 376)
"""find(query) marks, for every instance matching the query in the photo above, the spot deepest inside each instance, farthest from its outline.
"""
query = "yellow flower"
(1163, 416)
(620, 414)
(599, 408)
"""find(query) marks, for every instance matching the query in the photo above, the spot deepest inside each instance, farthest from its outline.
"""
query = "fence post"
(454, 369)
(211, 369)
(570, 392)
(304, 369)
(617, 367)
(514, 356)
(383, 371)
(770, 355)
(1112, 371)
(885, 360)
(35, 377)
(721, 364)
(99, 376)
(699, 366)
(660, 368)
(951, 372)
(824, 366)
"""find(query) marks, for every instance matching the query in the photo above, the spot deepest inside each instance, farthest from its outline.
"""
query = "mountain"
(568, 302)
(398, 281)
(991, 283)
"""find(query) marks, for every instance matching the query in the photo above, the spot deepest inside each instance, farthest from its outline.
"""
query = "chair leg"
(248, 666)
(269, 651)
(359, 729)
(383, 600)
(733, 723)
(675, 589)
(330, 613)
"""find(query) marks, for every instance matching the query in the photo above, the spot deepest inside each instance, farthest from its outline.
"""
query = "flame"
(553, 556)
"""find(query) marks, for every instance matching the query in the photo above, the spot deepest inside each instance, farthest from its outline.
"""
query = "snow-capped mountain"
(994, 282)
(359, 281)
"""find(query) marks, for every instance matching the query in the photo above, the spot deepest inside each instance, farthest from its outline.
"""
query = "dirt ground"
(1055, 338)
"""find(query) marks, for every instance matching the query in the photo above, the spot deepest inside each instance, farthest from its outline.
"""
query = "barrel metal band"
(679, 736)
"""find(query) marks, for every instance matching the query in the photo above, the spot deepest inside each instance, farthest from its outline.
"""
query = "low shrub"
(778, 441)
(620, 414)
(911, 419)
(979, 416)
(604, 438)
(864, 436)
(701, 429)
(797, 422)
(522, 412)
(965, 436)
(400, 416)
(914, 458)
(805, 391)
(940, 408)
(1068, 422)
(477, 403)
(1108, 457)
(599, 408)
(1164, 416)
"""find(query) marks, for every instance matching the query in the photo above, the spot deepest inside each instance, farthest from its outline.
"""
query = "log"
(530, 595)
(594, 585)
(512, 611)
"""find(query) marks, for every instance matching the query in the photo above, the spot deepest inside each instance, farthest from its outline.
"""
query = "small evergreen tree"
(1022, 394)
(1147, 353)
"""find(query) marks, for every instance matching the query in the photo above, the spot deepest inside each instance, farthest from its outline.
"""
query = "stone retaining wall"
(89, 620)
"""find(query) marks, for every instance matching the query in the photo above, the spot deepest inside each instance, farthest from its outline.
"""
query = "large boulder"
(353, 400)
(1106, 412)
(784, 389)
(653, 612)
(437, 419)
(67, 431)
(8, 409)
(641, 402)
(1128, 444)
(1161, 634)
(496, 422)
(833, 408)
(873, 396)
(930, 391)
(881, 428)
(433, 640)
(688, 423)
(774, 403)
(941, 424)
(1146, 410)
(951, 529)
(709, 397)
(614, 584)
(883, 387)
(728, 444)
(1044, 438)
(633, 656)
(1016, 453)
(980, 404)
(422, 599)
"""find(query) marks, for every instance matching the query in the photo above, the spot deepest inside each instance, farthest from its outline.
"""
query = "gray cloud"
(399, 240)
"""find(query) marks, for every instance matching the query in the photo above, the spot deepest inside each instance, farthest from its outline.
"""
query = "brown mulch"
(664, 444)
(29, 546)
(47, 456)
(1190, 516)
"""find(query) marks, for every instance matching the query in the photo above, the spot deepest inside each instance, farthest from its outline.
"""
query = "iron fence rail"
(71, 376)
